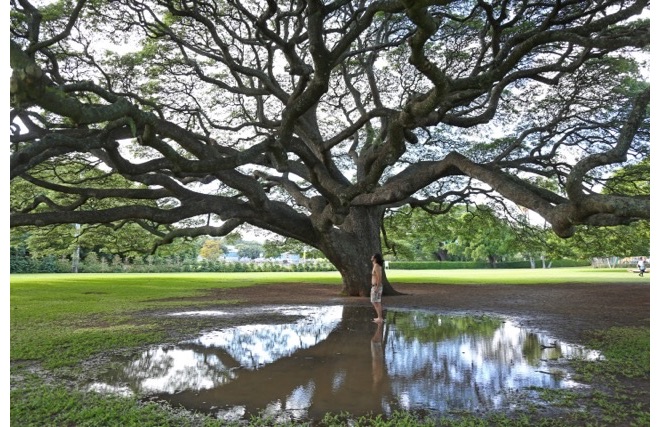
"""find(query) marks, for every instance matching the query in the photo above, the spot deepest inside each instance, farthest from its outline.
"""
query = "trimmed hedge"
(21, 264)
(452, 265)
(27, 265)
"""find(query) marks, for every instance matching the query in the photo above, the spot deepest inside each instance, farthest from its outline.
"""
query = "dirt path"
(564, 310)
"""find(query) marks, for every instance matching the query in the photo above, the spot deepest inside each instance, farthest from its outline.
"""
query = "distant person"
(377, 285)
(641, 265)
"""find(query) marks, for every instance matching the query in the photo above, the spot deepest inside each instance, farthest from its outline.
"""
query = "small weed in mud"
(624, 368)
(38, 404)
(398, 418)
(559, 397)
(628, 354)
(408, 419)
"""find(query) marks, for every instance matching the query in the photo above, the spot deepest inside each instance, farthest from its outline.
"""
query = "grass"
(59, 320)
(516, 276)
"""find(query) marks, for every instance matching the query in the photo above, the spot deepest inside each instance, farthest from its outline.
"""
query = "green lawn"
(517, 276)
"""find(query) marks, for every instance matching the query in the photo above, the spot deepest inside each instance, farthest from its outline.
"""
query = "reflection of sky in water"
(295, 406)
(429, 361)
(193, 366)
(204, 313)
(255, 345)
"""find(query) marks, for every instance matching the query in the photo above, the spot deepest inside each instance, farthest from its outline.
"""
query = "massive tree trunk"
(350, 247)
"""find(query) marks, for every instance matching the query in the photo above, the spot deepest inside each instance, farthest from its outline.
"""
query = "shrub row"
(53, 265)
(449, 265)
(20, 265)
(41, 265)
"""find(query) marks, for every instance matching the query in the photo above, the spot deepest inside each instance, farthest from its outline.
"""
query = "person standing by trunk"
(377, 285)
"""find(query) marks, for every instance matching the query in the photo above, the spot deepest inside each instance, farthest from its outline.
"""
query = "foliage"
(414, 234)
(19, 262)
(273, 248)
(251, 250)
(91, 264)
(211, 250)
(621, 241)
(463, 233)
(481, 234)
(477, 234)
(436, 265)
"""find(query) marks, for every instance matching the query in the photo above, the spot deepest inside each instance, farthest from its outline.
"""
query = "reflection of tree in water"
(531, 348)
(534, 348)
(333, 374)
(451, 362)
(427, 327)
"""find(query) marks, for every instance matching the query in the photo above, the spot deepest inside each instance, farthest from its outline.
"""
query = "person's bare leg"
(379, 312)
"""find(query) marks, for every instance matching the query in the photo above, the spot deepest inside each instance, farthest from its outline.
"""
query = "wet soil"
(567, 311)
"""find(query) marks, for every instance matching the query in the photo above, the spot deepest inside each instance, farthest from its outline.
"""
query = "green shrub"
(453, 265)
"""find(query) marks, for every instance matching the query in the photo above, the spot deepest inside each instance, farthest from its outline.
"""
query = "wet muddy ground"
(567, 310)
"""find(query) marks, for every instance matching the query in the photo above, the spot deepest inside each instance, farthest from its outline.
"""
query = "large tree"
(309, 118)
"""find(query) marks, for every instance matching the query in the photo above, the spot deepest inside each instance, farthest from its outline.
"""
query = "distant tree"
(211, 250)
(273, 248)
(619, 241)
(420, 233)
(250, 250)
(481, 234)
(232, 239)
(534, 242)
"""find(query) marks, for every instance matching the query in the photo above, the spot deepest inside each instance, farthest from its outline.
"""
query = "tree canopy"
(309, 118)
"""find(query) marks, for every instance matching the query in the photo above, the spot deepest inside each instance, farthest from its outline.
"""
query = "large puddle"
(334, 359)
